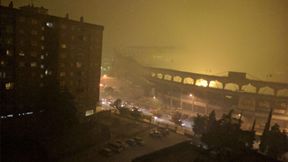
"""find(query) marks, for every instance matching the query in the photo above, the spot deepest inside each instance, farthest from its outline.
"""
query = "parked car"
(115, 147)
(106, 152)
(155, 133)
(131, 142)
(164, 131)
(122, 144)
(139, 141)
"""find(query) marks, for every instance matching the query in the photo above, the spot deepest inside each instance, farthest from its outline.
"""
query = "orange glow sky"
(207, 36)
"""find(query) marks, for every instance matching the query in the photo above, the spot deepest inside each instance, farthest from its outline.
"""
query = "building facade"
(37, 49)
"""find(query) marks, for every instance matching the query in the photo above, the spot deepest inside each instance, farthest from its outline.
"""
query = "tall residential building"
(37, 48)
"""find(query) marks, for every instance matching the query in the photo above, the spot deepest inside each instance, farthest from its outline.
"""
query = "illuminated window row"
(2, 75)
(9, 86)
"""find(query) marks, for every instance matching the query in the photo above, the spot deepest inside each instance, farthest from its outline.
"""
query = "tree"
(212, 122)
(117, 103)
(226, 133)
(276, 142)
(200, 124)
(264, 137)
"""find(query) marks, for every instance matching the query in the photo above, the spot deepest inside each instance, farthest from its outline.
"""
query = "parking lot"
(150, 143)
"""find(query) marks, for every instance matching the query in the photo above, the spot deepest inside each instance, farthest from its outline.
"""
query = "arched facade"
(231, 87)
(216, 84)
(266, 91)
(167, 77)
(201, 83)
(188, 80)
(177, 79)
(249, 88)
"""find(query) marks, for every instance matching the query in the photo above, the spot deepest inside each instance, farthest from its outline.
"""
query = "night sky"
(205, 36)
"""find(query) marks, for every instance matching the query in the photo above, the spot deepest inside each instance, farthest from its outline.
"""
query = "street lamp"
(191, 95)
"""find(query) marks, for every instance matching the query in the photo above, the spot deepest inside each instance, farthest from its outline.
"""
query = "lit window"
(49, 24)
(46, 72)
(2, 62)
(41, 76)
(78, 64)
(63, 46)
(42, 66)
(33, 64)
(9, 86)
(2, 75)
(42, 38)
(42, 47)
(42, 28)
(21, 53)
(8, 53)
(42, 57)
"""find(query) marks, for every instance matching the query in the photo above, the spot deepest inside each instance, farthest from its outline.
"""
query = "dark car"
(155, 133)
(139, 141)
(106, 152)
(115, 147)
(122, 144)
(164, 131)
(131, 142)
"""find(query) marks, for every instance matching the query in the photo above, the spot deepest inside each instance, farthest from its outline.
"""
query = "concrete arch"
(283, 92)
(153, 74)
(188, 80)
(159, 75)
(266, 90)
(167, 77)
(201, 83)
(231, 86)
(249, 88)
(216, 84)
(177, 79)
